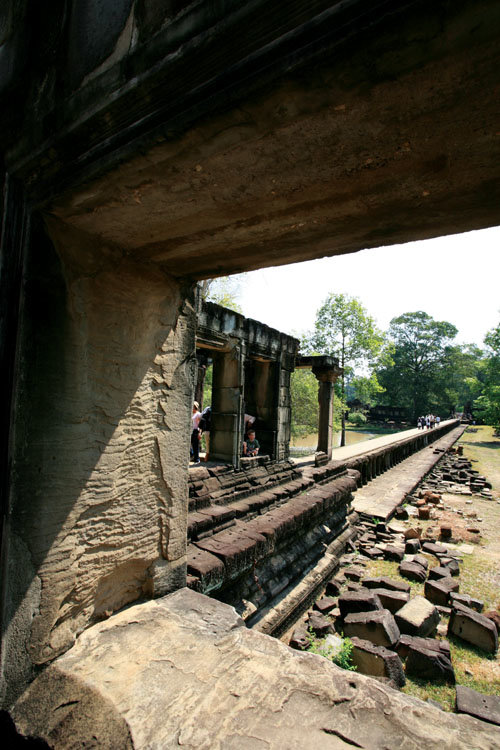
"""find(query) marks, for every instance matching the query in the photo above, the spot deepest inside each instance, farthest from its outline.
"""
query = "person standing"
(204, 426)
(195, 432)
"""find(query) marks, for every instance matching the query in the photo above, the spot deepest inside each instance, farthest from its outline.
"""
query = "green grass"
(480, 579)
(389, 568)
(473, 669)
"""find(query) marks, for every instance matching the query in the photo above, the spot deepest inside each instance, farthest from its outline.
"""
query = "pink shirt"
(195, 420)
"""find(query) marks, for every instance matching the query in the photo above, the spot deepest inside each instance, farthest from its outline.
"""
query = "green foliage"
(305, 408)
(223, 291)
(488, 403)
(207, 387)
(366, 388)
(304, 397)
(420, 359)
(357, 418)
(344, 330)
(342, 658)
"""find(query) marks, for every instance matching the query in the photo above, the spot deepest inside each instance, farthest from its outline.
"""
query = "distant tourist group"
(428, 422)
(200, 425)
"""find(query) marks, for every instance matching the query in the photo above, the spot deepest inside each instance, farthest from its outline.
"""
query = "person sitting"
(251, 445)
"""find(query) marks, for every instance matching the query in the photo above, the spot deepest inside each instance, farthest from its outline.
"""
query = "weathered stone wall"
(252, 368)
(98, 508)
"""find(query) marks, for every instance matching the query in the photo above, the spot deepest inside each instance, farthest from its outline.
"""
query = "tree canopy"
(488, 403)
(344, 329)
(223, 291)
(421, 346)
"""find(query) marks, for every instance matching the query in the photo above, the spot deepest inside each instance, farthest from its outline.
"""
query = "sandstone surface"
(205, 681)
(418, 617)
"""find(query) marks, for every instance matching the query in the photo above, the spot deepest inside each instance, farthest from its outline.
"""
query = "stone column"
(326, 379)
(226, 434)
(202, 361)
(97, 505)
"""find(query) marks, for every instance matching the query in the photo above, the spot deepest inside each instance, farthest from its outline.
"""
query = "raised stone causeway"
(266, 537)
(381, 497)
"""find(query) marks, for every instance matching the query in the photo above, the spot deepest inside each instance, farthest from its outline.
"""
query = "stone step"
(248, 542)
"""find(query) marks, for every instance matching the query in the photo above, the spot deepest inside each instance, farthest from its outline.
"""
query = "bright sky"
(454, 278)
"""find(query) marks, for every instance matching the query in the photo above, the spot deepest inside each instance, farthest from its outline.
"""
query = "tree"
(305, 406)
(366, 388)
(488, 403)
(421, 347)
(223, 291)
(344, 329)
(460, 379)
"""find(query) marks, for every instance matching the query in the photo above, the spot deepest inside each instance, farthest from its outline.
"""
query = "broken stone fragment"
(473, 628)
(353, 586)
(394, 552)
(412, 533)
(325, 604)
(427, 664)
(354, 573)
(358, 601)
(466, 601)
(378, 627)
(413, 571)
(434, 549)
(440, 571)
(385, 582)
(431, 644)
(300, 639)
(412, 546)
(418, 617)
(491, 614)
(438, 592)
(421, 560)
(485, 707)
(319, 624)
(332, 588)
(451, 564)
(377, 661)
(392, 600)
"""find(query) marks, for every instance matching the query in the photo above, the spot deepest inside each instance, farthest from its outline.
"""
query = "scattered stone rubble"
(455, 474)
(397, 634)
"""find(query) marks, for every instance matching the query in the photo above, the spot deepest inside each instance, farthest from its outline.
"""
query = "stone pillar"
(226, 435)
(202, 361)
(326, 379)
(97, 505)
(286, 366)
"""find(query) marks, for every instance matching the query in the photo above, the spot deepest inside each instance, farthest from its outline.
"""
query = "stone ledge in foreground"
(184, 670)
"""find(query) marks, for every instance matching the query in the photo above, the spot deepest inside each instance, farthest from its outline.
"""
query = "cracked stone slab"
(185, 671)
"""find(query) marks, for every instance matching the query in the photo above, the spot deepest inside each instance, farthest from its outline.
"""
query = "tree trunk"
(342, 434)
